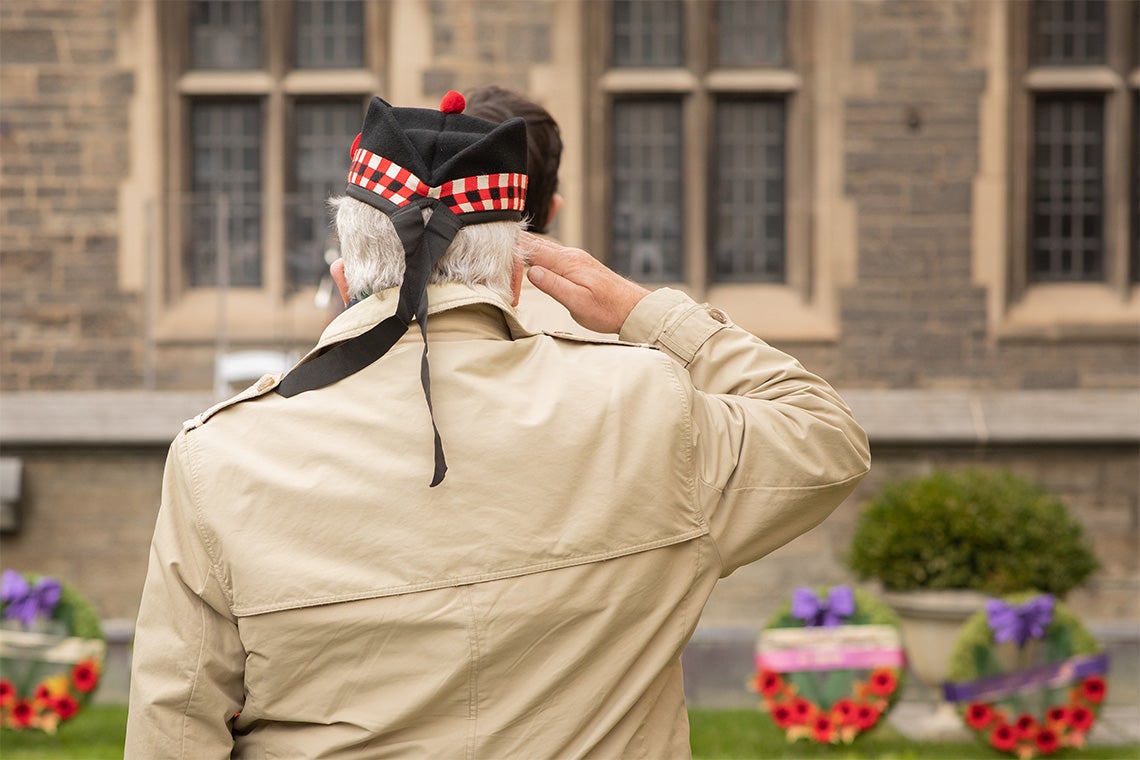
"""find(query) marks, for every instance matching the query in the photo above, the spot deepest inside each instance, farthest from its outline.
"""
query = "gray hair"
(480, 254)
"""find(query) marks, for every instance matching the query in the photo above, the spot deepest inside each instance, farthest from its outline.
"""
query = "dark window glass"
(225, 34)
(1068, 189)
(324, 131)
(329, 34)
(750, 32)
(226, 168)
(647, 190)
(747, 204)
(648, 33)
(1069, 32)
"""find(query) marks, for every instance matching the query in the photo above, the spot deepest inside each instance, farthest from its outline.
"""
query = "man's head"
(425, 181)
(373, 255)
(544, 147)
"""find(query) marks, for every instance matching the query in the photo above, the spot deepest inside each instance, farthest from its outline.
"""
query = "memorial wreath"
(1027, 676)
(829, 666)
(51, 651)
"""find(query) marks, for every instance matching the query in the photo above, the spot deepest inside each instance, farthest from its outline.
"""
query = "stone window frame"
(1019, 308)
(271, 310)
(820, 223)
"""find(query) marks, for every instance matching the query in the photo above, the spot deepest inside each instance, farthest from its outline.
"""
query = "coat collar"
(457, 312)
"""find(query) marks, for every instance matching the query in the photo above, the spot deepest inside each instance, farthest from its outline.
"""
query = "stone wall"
(915, 317)
(89, 513)
(63, 138)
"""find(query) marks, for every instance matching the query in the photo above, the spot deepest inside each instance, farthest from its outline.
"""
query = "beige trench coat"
(309, 596)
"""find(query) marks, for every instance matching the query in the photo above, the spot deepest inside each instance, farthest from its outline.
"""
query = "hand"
(598, 298)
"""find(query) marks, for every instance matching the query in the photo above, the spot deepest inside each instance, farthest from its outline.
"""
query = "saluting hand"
(598, 298)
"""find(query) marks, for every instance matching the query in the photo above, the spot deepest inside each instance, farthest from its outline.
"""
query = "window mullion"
(277, 18)
(697, 146)
(1117, 176)
(695, 166)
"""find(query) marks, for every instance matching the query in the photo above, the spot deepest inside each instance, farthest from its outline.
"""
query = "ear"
(555, 207)
(516, 280)
(336, 269)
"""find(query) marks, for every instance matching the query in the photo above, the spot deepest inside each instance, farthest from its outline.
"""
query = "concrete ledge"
(889, 416)
(108, 417)
(998, 417)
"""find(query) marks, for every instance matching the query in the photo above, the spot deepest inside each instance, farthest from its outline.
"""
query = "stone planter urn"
(930, 624)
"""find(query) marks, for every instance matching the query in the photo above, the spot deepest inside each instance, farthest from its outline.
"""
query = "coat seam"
(473, 674)
(467, 580)
(818, 487)
(199, 525)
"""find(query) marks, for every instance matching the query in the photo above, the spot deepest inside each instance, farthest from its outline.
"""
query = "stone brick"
(27, 46)
(1060, 377)
(107, 323)
(890, 163)
(941, 199)
(878, 45)
(529, 43)
(438, 81)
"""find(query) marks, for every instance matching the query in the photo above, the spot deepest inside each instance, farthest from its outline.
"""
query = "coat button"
(266, 382)
(719, 316)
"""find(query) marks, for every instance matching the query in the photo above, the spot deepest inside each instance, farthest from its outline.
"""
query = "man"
(497, 549)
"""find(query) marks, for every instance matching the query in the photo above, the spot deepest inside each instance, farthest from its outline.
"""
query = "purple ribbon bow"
(25, 601)
(808, 607)
(1019, 622)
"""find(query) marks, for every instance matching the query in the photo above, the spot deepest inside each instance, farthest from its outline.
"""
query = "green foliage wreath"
(40, 694)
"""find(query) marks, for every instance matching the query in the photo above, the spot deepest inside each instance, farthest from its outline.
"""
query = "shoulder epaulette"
(260, 388)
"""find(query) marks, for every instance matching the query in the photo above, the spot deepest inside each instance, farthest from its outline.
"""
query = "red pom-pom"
(452, 102)
(355, 145)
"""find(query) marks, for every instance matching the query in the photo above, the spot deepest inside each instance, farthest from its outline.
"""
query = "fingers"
(543, 252)
(568, 293)
(597, 297)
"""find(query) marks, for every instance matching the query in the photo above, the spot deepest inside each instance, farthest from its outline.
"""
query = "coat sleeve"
(188, 664)
(776, 449)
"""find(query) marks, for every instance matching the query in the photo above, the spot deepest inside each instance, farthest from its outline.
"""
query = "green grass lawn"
(98, 732)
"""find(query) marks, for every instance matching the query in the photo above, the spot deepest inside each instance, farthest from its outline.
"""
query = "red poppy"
(1047, 741)
(769, 683)
(822, 729)
(85, 675)
(1057, 715)
(66, 707)
(1081, 718)
(1026, 726)
(23, 713)
(782, 715)
(802, 711)
(866, 716)
(1093, 689)
(7, 693)
(883, 681)
(41, 694)
(843, 712)
(1004, 737)
(979, 715)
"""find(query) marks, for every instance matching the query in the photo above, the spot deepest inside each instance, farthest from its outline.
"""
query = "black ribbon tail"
(438, 233)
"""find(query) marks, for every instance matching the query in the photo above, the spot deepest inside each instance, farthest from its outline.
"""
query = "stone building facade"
(912, 265)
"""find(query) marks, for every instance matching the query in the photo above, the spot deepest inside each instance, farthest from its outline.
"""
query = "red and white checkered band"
(394, 183)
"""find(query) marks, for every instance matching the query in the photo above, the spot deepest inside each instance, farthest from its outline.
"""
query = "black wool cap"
(405, 156)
